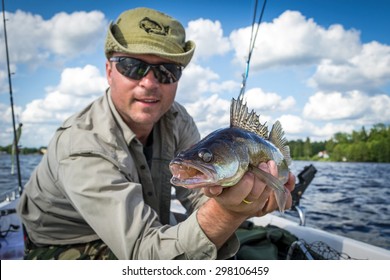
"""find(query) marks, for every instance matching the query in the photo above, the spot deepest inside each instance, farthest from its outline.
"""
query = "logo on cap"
(151, 26)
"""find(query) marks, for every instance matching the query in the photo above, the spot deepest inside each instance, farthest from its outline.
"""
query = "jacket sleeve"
(115, 210)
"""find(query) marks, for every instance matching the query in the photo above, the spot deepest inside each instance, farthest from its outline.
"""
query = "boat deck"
(352, 248)
(11, 240)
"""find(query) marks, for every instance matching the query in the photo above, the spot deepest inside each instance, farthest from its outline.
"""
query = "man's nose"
(149, 80)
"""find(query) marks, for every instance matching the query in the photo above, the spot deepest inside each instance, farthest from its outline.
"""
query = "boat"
(11, 229)
(11, 236)
(329, 246)
(311, 242)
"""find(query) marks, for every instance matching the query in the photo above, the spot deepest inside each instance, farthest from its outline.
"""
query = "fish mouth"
(189, 175)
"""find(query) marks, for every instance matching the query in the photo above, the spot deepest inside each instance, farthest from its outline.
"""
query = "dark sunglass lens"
(169, 73)
(132, 68)
(136, 69)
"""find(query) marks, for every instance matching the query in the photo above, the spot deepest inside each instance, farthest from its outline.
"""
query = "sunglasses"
(165, 73)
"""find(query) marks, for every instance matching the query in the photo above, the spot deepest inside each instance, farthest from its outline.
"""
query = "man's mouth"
(149, 101)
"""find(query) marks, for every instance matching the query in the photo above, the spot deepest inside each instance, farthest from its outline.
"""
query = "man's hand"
(251, 189)
(226, 210)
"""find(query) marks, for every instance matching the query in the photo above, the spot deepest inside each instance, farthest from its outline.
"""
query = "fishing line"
(252, 43)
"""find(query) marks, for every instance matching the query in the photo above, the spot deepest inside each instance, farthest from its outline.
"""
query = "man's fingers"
(290, 185)
(212, 191)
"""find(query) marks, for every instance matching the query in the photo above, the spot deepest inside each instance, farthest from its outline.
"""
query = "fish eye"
(205, 155)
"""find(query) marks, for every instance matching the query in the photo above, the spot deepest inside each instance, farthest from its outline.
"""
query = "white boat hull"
(12, 244)
(344, 245)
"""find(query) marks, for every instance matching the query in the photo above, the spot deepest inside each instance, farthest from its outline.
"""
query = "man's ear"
(108, 71)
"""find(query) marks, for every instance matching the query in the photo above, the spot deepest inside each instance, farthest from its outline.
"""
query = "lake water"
(350, 199)
(9, 182)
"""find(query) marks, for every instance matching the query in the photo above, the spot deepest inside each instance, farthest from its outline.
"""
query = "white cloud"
(342, 62)
(73, 33)
(336, 106)
(209, 38)
(329, 129)
(198, 82)
(82, 81)
(210, 113)
(77, 88)
(206, 98)
(261, 101)
(68, 35)
(291, 39)
(374, 62)
(37, 135)
(367, 70)
(3, 82)
(378, 110)
(6, 113)
(295, 125)
(3, 109)
(194, 82)
(345, 112)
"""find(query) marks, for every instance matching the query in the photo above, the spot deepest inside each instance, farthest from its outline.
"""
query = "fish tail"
(281, 200)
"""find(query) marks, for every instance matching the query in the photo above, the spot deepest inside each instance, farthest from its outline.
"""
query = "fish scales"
(223, 157)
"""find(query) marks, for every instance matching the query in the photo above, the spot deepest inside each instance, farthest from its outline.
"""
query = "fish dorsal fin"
(240, 117)
(276, 136)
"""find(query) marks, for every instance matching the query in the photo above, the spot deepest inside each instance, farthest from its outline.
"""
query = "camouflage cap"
(147, 31)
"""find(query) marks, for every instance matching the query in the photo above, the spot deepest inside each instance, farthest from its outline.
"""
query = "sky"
(319, 67)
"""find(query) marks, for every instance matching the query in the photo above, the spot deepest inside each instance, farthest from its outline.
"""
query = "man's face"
(141, 103)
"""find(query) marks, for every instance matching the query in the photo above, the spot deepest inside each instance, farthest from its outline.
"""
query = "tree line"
(358, 146)
(22, 150)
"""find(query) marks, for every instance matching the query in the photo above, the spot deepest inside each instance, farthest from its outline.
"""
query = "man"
(102, 190)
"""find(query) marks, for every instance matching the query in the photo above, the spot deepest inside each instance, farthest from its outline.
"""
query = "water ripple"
(350, 199)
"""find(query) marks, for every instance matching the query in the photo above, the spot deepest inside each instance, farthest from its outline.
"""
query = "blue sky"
(320, 67)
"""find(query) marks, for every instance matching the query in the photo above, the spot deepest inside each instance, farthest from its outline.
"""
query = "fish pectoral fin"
(281, 194)
(267, 178)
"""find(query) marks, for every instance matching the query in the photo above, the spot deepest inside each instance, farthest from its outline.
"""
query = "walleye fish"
(223, 157)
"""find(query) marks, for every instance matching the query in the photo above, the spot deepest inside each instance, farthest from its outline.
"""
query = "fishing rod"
(12, 104)
(252, 44)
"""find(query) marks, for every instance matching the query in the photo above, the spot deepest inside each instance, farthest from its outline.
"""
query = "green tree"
(340, 152)
(329, 145)
(341, 137)
(307, 151)
(295, 148)
(379, 143)
(317, 147)
(358, 152)
(359, 136)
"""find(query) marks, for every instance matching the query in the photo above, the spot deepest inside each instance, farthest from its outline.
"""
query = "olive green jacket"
(94, 183)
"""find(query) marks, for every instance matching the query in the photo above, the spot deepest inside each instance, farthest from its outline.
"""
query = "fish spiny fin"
(240, 117)
(276, 136)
